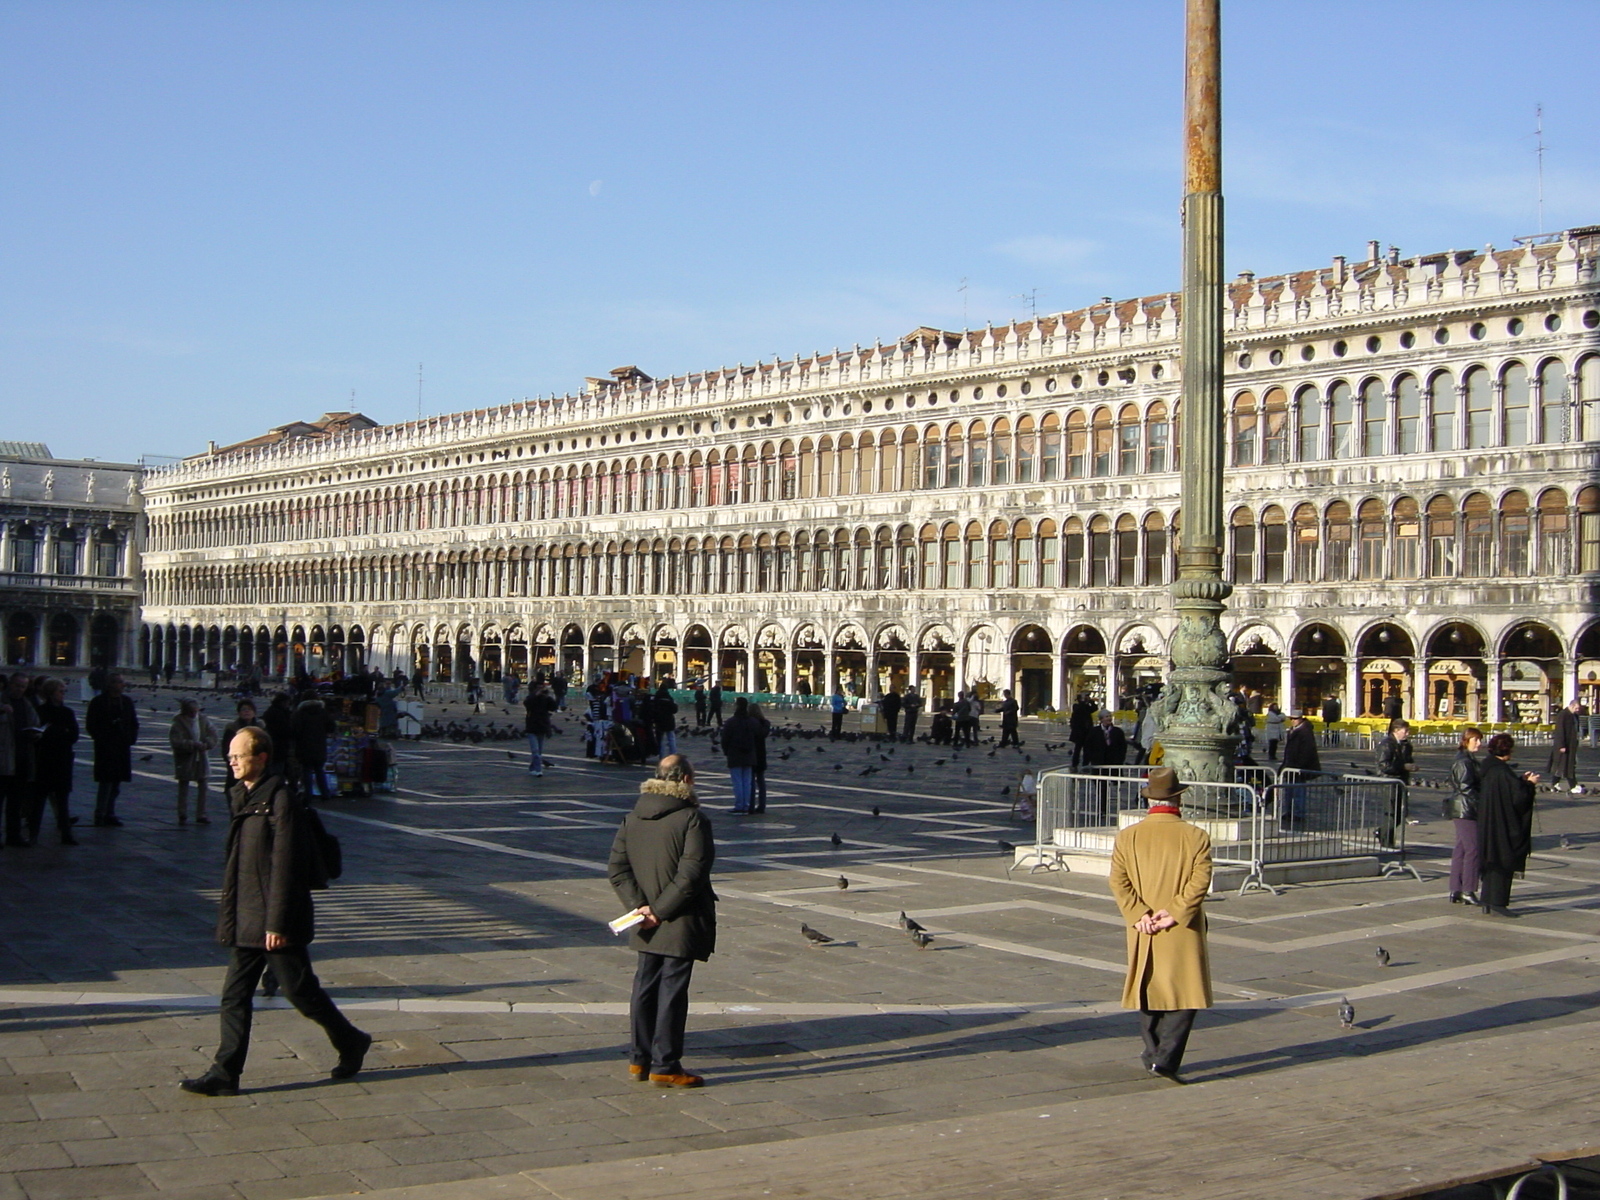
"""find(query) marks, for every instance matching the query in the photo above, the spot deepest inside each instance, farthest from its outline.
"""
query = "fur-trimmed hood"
(658, 797)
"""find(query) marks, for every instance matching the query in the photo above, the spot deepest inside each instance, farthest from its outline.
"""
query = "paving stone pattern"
(468, 935)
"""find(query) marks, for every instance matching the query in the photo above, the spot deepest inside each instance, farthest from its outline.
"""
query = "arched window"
(1480, 408)
(1408, 415)
(1100, 561)
(1274, 544)
(955, 458)
(1155, 550)
(1477, 536)
(1589, 530)
(1103, 440)
(1555, 533)
(1000, 452)
(1027, 448)
(1589, 398)
(860, 479)
(932, 459)
(1244, 429)
(977, 455)
(1243, 537)
(1072, 553)
(1555, 402)
(1373, 540)
(910, 460)
(999, 555)
(1157, 438)
(1308, 404)
(1514, 388)
(1050, 445)
(930, 556)
(1336, 560)
(1022, 550)
(1128, 440)
(1407, 539)
(1275, 430)
(1374, 418)
(1127, 551)
(1441, 411)
(952, 556)
(1442, 557)
(1516, 534)
(1050, 552)
(1077, 445)
(1341, 419)
(977, 557)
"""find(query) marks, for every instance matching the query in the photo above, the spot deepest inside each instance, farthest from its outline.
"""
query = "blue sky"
(216, 217)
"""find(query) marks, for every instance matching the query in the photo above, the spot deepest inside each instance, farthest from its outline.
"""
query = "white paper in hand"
(626, 922)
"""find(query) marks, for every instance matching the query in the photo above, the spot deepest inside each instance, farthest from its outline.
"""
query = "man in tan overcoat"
(1160, 874)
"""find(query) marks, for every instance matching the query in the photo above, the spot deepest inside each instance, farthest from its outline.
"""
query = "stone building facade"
(71, 532)
(1413, 495)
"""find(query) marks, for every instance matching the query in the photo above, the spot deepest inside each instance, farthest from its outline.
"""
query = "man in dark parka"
(113, 726)
(1505, 824)
(660, 868)
(266, 916)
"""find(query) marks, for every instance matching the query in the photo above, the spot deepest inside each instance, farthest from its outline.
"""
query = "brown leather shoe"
(681, 1081)
(638, 1074)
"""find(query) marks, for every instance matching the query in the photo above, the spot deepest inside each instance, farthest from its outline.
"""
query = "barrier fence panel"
(1082, 814)
(1312, 816)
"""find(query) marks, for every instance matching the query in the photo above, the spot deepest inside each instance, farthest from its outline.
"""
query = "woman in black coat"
(112, 723)
(1461, 809)
(53, 760)
(660, 868)
(1505, 824)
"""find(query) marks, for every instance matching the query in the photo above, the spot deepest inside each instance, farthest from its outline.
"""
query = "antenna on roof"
(1032, 298)
(1538, 150)
(965, 322)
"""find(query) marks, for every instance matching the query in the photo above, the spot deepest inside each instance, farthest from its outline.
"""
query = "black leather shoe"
(350, 1060)
(1499, 910)
(1471, 898)
(1169, 1075)
(211, 1084)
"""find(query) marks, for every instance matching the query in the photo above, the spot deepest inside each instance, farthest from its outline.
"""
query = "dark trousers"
(911, 725)
(105, 801)
(658, 1011)
(758, 797)
(1166, 1034)
(57, 799)
(1464, 858)
(300, 988)
(838, 724)
(1008, 736)
(14, 799)
(1393, 820)
(1495, 887)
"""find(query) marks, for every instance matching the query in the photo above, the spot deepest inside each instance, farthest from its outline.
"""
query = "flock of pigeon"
(919, 936)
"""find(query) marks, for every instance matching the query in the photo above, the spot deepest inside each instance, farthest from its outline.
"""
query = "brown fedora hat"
(1162, 784)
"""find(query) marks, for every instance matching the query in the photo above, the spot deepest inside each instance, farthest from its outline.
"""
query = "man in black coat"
(1332, 713)
(1106, 745)
(910, 709)
(1079, 723)
(1505, 824)
(740, 743)
(1009, 713)
(889, 706)
(660, 868)
(1564, 750)
(266, 916)
(113, 726)
(1393, 761)
(1300, 753)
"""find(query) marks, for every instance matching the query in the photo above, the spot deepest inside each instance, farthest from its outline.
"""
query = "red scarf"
(1171, 809)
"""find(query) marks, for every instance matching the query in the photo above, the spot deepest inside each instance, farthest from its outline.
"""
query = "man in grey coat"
(660, 868)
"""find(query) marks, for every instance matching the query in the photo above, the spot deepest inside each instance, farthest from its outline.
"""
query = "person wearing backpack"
(265, 915)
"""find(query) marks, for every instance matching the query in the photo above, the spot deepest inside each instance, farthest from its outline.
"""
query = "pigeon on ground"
(1006, 791)
(938, 762)
(876, 811)
(843, 883)
(1566, 842)
(923, 940)
(1027, 758)
(910, 769)
(815, 937)
(910, 924)
(836, 840)
(511, 755)
(1006, 847)
(1347, 1012)
(992, 753)
(870, 771)
(838, 766)
(1382, 956)
(969, 770)
(146, 757)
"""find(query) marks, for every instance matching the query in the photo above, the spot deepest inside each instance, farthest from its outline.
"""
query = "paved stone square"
(468, 935)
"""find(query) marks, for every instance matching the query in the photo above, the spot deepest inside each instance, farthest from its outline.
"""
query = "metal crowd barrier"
(1082, 814)
(1266, 818)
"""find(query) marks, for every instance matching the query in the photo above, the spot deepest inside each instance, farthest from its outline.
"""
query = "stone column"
(1286, 699)
(1421, 702)
(1491, 705)
(874, 692)
(1353, 702)
(5, 545)
(789, 687)
(1196, 711)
